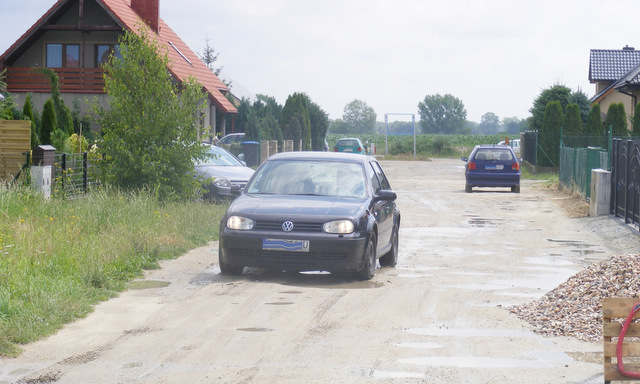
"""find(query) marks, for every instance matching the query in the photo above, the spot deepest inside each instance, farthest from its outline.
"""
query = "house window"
(104, 51)
(63, 55)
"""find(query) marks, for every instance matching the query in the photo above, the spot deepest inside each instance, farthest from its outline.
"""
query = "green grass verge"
(58, 258)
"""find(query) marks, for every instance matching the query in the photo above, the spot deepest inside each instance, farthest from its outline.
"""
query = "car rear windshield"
(493, 154)
(347, 143)
(330, 178)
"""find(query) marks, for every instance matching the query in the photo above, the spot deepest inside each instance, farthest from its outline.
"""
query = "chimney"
(628, 48)
(149, 12)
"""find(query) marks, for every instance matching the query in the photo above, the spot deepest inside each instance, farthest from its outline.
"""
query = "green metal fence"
(578, 157)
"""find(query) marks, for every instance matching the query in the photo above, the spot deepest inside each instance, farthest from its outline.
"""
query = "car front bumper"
(325, 252)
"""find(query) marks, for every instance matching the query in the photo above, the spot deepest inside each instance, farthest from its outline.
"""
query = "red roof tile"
(183, 62)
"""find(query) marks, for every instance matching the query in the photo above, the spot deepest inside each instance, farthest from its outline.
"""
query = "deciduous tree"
(359, 118)
(559, 93)
(442, 114)
(489, 124)
(149, 132)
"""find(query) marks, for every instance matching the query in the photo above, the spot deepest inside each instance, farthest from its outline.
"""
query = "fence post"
(613, 163)
(627, 179)
(63, 168)
(85, 168)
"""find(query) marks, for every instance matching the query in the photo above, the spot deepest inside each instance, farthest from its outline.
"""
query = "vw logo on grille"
(287, 226)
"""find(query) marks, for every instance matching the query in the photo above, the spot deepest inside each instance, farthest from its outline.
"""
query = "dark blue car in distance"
(312, 211)
(492, 166)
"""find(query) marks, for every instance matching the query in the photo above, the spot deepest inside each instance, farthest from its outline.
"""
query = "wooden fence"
(15, 141)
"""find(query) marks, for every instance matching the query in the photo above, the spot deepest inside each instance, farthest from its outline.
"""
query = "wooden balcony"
(80, 80)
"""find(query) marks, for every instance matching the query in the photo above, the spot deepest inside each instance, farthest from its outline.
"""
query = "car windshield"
(493, 154)
(218, 156)
(329, 178)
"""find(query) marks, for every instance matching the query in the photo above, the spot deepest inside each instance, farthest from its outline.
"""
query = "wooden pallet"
(614, 310)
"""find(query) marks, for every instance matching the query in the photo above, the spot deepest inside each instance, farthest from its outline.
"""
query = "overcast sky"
(494, 55)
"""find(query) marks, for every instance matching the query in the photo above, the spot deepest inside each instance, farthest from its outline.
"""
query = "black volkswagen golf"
(312, 211)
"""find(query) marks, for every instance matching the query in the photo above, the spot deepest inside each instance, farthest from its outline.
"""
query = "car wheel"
(391, 258)
(369, 266)
(515, 189)
(227, 269)
(467, 188)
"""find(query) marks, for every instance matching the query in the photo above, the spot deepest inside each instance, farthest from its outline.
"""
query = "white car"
(515, 144)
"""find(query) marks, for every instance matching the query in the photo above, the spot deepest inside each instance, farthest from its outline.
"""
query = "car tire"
(227, 269)
(369, 265)
(391, 258)
(468, 188)
(515, 189)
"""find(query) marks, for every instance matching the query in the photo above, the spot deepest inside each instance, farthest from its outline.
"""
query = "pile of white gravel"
(574, 308)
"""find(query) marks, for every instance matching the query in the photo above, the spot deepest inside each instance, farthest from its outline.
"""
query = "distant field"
(429, 145)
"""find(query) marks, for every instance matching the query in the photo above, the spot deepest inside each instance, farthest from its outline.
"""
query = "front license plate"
(285, 245)
(497, 167)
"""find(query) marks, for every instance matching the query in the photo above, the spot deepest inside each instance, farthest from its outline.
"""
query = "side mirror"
(387, 195)
(465, 159)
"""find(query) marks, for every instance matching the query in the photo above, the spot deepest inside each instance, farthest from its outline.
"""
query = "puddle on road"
(581, 248)
(550, 259)
(471, 332)
(475, 362)
(255, 329)
(420, 345)
(484, 223)
(147, 284)
(336, 285)
(389, 374)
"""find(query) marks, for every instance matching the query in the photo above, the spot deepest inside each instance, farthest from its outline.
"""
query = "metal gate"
(625, 180)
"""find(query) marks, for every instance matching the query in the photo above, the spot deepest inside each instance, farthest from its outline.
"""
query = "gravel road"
(443, 315)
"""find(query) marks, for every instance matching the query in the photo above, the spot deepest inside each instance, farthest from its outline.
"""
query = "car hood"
(230, 172)
(290, 206)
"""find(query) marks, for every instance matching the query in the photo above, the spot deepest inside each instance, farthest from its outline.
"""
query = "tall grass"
(58, 258)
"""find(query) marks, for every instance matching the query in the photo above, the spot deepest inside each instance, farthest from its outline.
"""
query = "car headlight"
(339, 226)
(221, 182)
(240, 223)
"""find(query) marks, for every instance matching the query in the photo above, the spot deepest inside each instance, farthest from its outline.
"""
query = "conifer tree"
(572, 120)
(617, 120)
(49, 124)
(636, 120)
(594, 122)
(550, 134)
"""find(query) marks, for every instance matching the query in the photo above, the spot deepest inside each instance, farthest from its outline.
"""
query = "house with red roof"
(74, 37)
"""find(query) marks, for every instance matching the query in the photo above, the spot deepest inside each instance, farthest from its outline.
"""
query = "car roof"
(321, 156)
(491, 146)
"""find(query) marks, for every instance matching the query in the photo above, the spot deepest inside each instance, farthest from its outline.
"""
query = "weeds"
(58, 258)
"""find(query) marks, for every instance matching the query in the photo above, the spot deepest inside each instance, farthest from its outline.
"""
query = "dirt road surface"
(441, 316)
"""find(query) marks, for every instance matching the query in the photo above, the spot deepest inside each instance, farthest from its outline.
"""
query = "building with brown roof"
(75, 36)
(616, 74)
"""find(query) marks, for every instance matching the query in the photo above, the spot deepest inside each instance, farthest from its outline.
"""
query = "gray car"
(220, 172)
